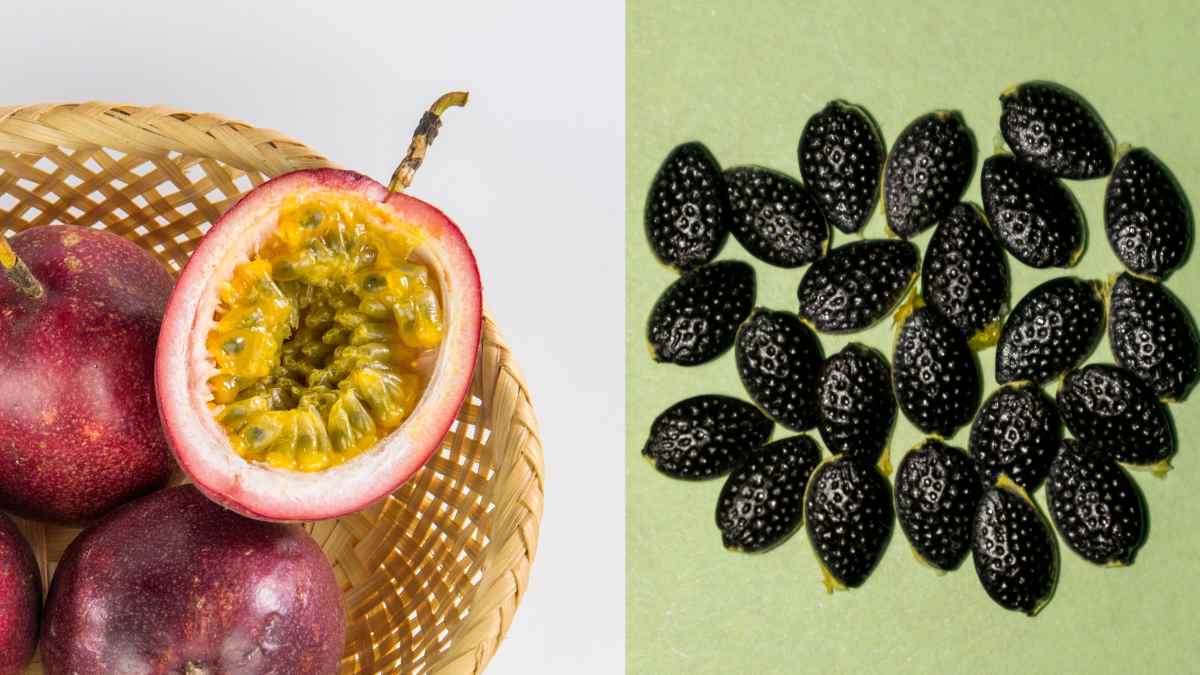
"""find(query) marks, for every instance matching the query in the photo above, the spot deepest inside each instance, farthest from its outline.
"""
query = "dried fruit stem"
(426, 131)
(18, 273)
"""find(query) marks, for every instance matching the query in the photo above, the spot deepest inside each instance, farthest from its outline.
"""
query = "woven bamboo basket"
(431, 576)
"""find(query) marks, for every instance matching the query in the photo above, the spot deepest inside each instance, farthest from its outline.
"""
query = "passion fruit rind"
(361, 360)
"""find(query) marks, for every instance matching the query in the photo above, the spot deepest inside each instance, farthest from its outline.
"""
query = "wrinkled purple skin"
(174, 583)
(79, 428)
(20, 600)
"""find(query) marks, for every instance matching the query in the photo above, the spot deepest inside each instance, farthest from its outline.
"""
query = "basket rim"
(152, 131)
(156, 131)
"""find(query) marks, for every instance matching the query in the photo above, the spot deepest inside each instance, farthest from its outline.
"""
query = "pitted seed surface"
(1033, 213)
(1146, 215)
(848, 515)
(841, 159)
(1151, 335)
(778, 360)
(1016, 433)
(1110, 409)
(1051, 330)
(1095, 505)
(856, 406)
(705, 436)
(1013, 550)
(927, 172)
(964, 275)
(1052, 127)
(857, 284)
(696, 319)
(762, 501)
(936, 375)
(774, 217)
(937, 491)
(687, 208)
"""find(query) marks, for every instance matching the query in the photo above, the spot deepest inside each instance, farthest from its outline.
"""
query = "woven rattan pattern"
(432, 576)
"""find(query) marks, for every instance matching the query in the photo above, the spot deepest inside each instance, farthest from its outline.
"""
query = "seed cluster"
(950, 502)
(318, 335)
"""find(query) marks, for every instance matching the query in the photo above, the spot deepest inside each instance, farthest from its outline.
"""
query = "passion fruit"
(79, 315)
(173, 583)
(319, 342)
(20, 599)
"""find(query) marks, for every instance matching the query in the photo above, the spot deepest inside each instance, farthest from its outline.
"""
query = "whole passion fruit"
(79, 316)
(173, 583)
(20, 599)
(319, 342)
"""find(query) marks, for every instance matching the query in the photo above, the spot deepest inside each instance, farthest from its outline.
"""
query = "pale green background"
(743, 77)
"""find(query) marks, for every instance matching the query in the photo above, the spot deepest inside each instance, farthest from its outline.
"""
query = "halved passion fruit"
(319, 342)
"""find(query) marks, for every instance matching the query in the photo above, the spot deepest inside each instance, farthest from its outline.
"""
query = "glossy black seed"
(936, 376)
(841, 158)
(774, 217)
(1051, 330)
(762, 502)
(1111, 410)
(1146, 215)
(1014, 551)
(937, 491)
(964, 275)
(687, 208)
(1051, 126)
(696, 318)
(855, 402)
(857, 284)
(1095, 505)
(1032, 212)
(778, 359)
(927, 172)
(1016, 433)
(705, 436)
(1151, 335)
(848, 516)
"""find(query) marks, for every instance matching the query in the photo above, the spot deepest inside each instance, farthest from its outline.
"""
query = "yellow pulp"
(318, 335)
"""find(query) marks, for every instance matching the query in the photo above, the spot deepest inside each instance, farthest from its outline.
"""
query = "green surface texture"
(744, 77)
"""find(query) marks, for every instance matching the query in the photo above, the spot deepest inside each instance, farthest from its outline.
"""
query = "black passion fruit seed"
(1095, 505)
(1151, 336)
(857, 284)
(1111, 410)
(762, 501)
(855, 402)
(1052, 127)
(774, 217)
(937, 491)
(936, 375)
(1014, 550)
(964, 275)
(927, 172)
(1146, 215)
(848, 515)
(1016, 434)
(705, 436)
(696, 318)
(841, 158)
(687, 209)
(1051, 330)
(1033, 213)
(778, 359)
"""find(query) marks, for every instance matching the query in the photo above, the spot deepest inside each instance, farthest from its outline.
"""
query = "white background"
(532, 170)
